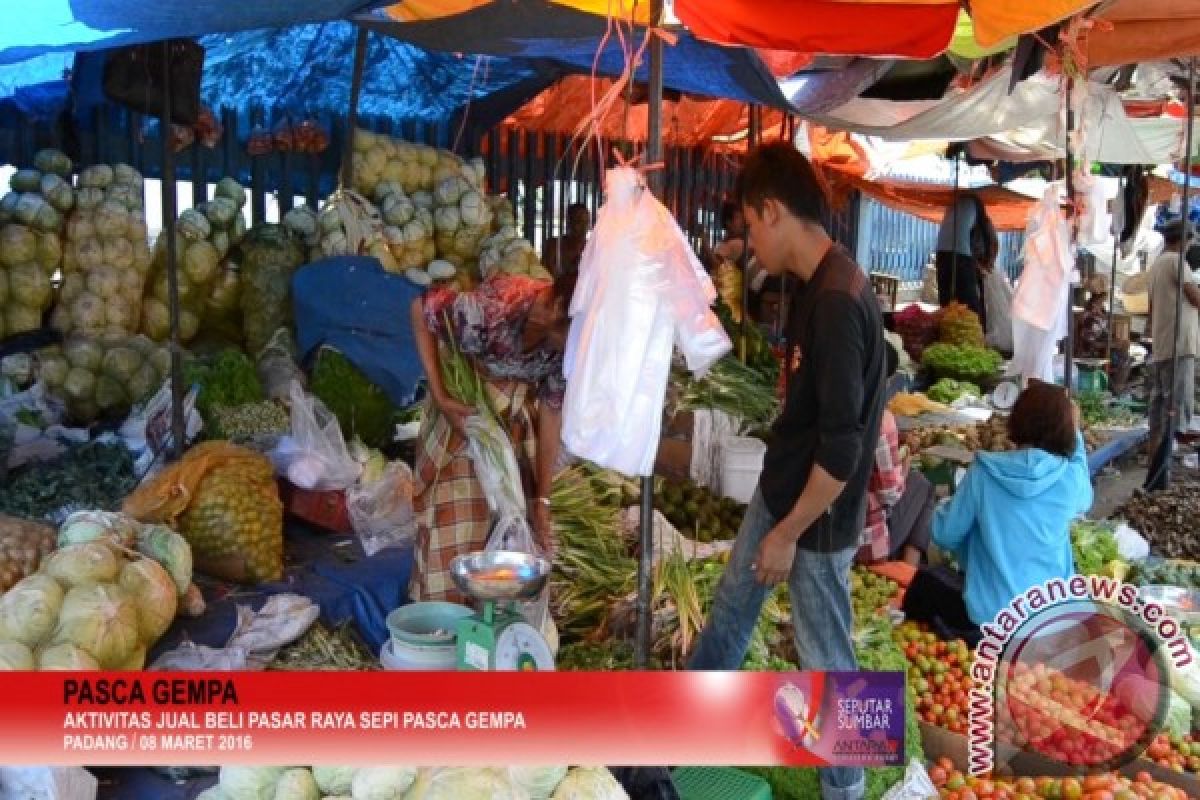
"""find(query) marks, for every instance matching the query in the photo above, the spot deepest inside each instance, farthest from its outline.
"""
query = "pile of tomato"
(1179, 754)
(954, 785)
(940, 675)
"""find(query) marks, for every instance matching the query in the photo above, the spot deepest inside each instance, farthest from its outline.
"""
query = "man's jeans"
(820, 597)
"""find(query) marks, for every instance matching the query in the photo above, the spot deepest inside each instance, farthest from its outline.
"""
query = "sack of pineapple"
(99, 601)
(224, 501)
(31, 248)
(107, 255)
(103, 377)
(207, 277)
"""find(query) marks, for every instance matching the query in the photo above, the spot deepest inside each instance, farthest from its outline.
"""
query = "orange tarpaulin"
(1133, 31)
(996, 20)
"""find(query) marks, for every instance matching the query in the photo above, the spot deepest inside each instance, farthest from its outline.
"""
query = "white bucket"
(402, 656)
(741, 464)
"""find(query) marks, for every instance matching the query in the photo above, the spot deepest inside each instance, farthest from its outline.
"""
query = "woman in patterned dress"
(513, 329)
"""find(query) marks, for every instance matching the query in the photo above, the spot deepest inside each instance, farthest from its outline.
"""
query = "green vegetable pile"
(698, 513)
(1098, 408)
(759, 356)
(740, 390)
(869, 593)
(362, 408)
(90, 476)
(228, 381)
(1093, 544)
(947, 390)
(963, 362)
(598, 657)
(247, 423)
(1185, 574)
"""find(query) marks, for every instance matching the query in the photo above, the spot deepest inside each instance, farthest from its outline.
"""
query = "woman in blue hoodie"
(1008, 523)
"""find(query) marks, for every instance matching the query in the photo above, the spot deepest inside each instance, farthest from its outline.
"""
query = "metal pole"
(1068, 360)
(1160, 475)
(654, 150)
(1112, 283)
(755, 135)
(360, 63)
(178, 428)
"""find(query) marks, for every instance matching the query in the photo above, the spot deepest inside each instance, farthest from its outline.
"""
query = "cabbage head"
(84, 353)
(250, 783)
(111, 220)
(101, 620)
(465, 783)
(228, 188)
(193, 224)
(154, 593)
(88, 198)
(85, 564)
(28, 285)
(29, 610)
(121, 312)
(110, 394)
(200, 262)
(539, 782)
(221, 211)
(589, 783)
(136, 661)
(297, 784)
(53, 368)
(118, 253)
(18, 245)
(98, 176)
(58, 192)
(334, 780)
(66, 657)
(104, 281)
(382, 783)
(15, 656)
(128, 176)
(19, 319)
(51, 160)
(212, 793)
(145, 382)
(121, 362)
(50, 251)
(87, 314)
(104, 526)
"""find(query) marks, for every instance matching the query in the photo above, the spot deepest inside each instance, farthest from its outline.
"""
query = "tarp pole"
(654, 151)
(1069, 358)
(1122, 185)
(178, 429)
(755, 135)
(1159, 476)
(360, 63)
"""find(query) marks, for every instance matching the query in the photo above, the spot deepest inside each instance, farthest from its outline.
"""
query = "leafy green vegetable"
(947, 390)
(362, 408)
(738, 389)
(964, 362)
(1093, 544)
(228, 381)
(90, 476)
(759, 356)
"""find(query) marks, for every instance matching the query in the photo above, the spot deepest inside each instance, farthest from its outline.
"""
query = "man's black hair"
(778, 171)
(729, 210)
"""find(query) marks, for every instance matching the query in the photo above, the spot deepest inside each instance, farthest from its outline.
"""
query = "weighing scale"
(497, 638)
(1004, 396)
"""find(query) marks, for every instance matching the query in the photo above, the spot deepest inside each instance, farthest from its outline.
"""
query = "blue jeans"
(820, 596)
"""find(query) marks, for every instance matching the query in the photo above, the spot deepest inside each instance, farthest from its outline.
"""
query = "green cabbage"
(200, 262)
(111, 220)
(154, 592)
(212, 793)
(250, 783)
(15, 656)
(55, 161)
(383, 783)
(101, 620)
(49, 252)
(334, 780)
(20, 319)
(463, 783)
(53, 370)
(98, 176)
(25, 180)
(29, 286)
(194, 225)
(58, 192)
(1178, 722)
(65, 656)
(590, 783)
(539, 782)
(105, 526)
(29, 610)
(18, 245)
(170, 550)
(297, 784)
(230, 189)
(81, 565)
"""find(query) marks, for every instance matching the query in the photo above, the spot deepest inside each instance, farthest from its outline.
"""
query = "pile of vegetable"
(103, 377)
(1099, 408)
(505, 251)
(270, 255)
(351, 225)
(228, 381)
(759, 355)
(698, 513)
(952, 784)
(963, 362)
(251, 423)
(1167, 519)
(1094, 547)
(411, 783)
(959, 325)
(870, 593)
(939, 674)
(462, 217)
(92, 475)
(1166, 572)
(362, 408)
(23, 545)
(918, 329)
(100, 601)
(322, 648)
(738, 389)
(948, 390)
(408, 229)
(31, 246)
(224, 500)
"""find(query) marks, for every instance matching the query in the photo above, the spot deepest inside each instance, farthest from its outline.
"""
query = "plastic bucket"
(402, 656)
(427, 624)
(741, 464)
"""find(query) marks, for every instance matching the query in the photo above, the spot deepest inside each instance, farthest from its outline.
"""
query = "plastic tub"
(401, 656)
(427, 624)
(741, 464)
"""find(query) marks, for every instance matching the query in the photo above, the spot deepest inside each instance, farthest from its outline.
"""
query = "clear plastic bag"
(916, 785)
(381, 512)
(315, 455)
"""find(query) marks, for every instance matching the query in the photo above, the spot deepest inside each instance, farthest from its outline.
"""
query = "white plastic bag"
(1130, 544)
(381, 512)
(315, 455)
(997, 301)
(511, 534)
(915, 786)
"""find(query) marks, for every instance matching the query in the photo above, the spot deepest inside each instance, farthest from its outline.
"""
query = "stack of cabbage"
(208, 282)
(381, 159)
(505, 251)
(103, 376)
(98, 602)
(270, 255)
(408, 228)
(107, 255)
(31, 247)
(301, 222)
(407, 783)
(461, 217)
(350, 225)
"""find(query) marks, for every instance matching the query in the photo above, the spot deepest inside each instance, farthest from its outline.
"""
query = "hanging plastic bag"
(511, 534)
(315, 455)
(997, 301)
(381, 512)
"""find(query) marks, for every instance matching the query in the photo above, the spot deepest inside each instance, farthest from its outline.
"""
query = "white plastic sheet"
(1039, 309)
(314, 455)
(641, 292)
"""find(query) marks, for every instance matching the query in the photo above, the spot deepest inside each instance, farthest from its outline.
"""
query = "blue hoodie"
(1008, 523)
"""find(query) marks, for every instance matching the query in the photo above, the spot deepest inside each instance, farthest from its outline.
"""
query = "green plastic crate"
(719, 783)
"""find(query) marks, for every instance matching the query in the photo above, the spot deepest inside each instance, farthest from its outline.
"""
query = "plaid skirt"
(453, 518)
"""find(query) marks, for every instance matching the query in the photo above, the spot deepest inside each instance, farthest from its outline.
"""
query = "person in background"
(1008, 522)
(805, 520)
(957, 271)
(513, 329)
(561, 255)
(1164, 297)
(900, 499)
(733, 223)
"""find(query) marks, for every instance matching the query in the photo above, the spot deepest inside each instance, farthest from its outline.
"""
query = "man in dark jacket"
(804, 522)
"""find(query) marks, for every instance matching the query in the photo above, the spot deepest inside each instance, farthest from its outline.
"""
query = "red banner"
(467, 719)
